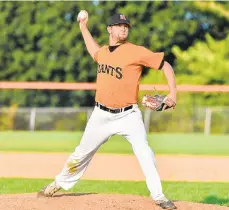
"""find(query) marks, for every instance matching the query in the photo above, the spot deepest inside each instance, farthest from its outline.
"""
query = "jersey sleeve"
(150, 59)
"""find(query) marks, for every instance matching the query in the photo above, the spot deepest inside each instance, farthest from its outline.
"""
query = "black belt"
(115, 111)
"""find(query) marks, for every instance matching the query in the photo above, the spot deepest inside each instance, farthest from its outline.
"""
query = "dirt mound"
(87, 201)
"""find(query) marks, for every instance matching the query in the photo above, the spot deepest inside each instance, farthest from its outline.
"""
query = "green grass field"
(211, 193)
(196, 144)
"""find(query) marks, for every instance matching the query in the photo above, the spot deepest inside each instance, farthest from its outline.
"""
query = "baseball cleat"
(166, 204)
(49, 190)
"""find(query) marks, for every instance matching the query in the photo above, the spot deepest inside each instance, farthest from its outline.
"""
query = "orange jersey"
(119, 73)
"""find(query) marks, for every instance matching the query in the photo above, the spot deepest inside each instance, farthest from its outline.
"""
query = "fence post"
(207, 128)
(32, 119)
(147, 113)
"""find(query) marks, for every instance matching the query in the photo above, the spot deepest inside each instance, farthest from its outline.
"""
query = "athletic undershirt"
(112, 48)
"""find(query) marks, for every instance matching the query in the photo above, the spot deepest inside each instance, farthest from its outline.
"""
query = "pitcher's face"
(119, 32)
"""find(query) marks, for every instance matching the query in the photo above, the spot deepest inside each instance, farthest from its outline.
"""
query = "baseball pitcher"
(116, 111)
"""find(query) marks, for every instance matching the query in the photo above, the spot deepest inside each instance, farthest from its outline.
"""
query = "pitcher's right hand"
(82, 18)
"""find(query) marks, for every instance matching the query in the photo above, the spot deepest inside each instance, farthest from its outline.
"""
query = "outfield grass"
(212, 193)
(196, 144)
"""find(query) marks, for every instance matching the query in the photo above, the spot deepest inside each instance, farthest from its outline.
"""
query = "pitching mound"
(76, 201)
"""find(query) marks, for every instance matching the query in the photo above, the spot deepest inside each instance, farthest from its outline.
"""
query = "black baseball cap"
(119, 19)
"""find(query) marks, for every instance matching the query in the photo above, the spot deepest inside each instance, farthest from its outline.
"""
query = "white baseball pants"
(100, 127)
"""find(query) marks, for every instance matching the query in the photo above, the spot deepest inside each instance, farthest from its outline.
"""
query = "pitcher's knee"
(81, 151)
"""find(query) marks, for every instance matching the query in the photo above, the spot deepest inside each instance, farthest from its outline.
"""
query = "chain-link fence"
(199, 119)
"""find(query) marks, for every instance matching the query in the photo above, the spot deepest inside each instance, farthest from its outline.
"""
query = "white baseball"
(82, 15)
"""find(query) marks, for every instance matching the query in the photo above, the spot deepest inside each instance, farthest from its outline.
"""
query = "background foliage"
(41, 41)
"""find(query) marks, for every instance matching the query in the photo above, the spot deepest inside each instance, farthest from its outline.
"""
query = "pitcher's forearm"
(170, 76)
(91, 44)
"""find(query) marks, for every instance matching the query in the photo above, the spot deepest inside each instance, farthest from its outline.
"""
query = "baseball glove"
(158, 102)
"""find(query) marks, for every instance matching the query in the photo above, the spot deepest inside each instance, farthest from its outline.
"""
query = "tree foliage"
(210, 67)
(41, 41)
(206, 61)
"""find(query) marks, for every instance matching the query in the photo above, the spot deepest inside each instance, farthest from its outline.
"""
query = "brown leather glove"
(158, 102)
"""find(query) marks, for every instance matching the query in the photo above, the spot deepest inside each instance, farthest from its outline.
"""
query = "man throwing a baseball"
(116, 111)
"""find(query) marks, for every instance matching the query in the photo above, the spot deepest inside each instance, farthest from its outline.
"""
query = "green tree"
(205, 63)
(41, 41)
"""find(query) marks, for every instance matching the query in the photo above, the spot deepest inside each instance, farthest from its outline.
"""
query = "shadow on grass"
(216, 200)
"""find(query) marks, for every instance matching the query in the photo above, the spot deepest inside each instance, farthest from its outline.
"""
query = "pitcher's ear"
(109, 29)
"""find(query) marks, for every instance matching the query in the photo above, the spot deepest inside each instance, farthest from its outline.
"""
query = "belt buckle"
(118, 111)
(114, 111)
